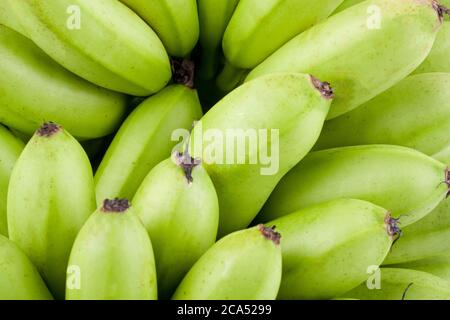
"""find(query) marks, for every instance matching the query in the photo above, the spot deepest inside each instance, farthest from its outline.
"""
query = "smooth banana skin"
(112, 257)
(437, 265)
(34, 88)
(294, 105)
(8, 18)
(404, 284)
(362, 51)
(407, 182)
(19, 279)
(10, 149)
(102, 41)
(50, 196)
(346, 4)
(175, 22)
(178, 206)
(328, 248)
(245, 265)
(144, 140)
(398, 116)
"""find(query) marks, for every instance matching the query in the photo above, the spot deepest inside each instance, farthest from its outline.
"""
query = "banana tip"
(187, 163)
(115, 205)
(270, 234)
(392, 226)
(447, 180)
(441, 10)
(48, 129)
(324, 88)
(183, 72)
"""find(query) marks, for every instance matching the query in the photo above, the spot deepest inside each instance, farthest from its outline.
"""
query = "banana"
(175, 22)
(270, 113)
(403, 284)
(8, 18)
(328, 248)
(363, 51)
(398, 116)
(437, 265)
(144, 140)
(50, 196)
(346, 4)
(402, 180)
(112, 257)
(245, 265)
(19, 279)
(102, 41)
(35, 89)
(10, 150)
(178, 206)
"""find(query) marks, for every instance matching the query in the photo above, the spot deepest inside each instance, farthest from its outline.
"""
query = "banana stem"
(230, 77)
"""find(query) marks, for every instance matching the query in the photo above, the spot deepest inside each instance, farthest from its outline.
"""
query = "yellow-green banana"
(8, 18)
(328, 248)
(437, 265)
(407, 182)
(19, 279)
(362, 51)
(34, 89)
(250, 139)
(50, 196)
(10, 150)
(112, 257)
(245, 265)
(102, 41)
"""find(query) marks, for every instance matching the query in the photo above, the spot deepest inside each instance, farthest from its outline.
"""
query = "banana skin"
(363, 50)
(8, 18)
(50, 196)
(438, 266)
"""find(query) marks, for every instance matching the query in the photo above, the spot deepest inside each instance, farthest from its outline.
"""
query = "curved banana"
(403, 284)
(175, 22)
(270, 113)
(245, 265)
(37, 89)
(10, 150)
(102, 41)
(406, 182)
(178, 206)
(19, 279)
(362, 51)
(8, 18)
(437, 265)
(398, 116)
(328, 248)
(112, 257)
(50, 196)
(144, 140)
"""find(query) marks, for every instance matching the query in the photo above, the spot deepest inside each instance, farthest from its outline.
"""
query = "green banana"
(19, 279)
(7, 17)
(112, 257)
(50, 196)
(178, 206)
(175, 22)
(328, 248)
(144, 140)
(10, 150)
(362, 52)
(270, 113)
(405, 181)
(245, 265)
(398, 116)
(34, 88)
(437, 265)
(404, 284)
(102, 41)
(346, 4)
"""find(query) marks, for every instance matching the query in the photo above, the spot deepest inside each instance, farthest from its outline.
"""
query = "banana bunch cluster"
(111, 179)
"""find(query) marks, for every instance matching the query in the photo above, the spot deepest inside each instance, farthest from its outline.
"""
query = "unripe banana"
(398, 116)
(34, 88)
(407, 182)
(346, 4)
(19, 279)
(112, 257)
(10, 150)
(144, 140)
(245, 265)
(438, 266)
(328, 248)
(404, 284)
(178, 206)
(362, 51)
(8, 18)
(175, 22)
(102, 41)
(271, 113)
(50, 196)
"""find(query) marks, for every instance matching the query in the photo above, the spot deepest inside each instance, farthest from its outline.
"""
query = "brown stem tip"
(187, 163)
(324, 88)
(115, 205)
(392, 227)
(48, 129)
(270, 234)
(183, 72)
(447, 180)
(441, 10)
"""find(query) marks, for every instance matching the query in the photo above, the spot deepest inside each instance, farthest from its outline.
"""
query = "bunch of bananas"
(224, 149)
